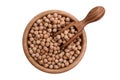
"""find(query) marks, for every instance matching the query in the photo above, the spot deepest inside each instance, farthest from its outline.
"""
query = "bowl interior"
(33, 62)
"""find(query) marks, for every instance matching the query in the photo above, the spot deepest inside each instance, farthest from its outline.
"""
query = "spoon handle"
(94, 14)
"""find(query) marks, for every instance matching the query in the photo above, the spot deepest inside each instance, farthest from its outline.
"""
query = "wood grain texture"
(33, 62)
(94, 15)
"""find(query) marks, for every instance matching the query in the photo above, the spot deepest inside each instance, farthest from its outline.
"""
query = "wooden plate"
(33, 62)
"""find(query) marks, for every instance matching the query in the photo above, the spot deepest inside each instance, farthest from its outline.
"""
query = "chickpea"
(45, 49)
(46, 65)
(51, 66)
(56, 66)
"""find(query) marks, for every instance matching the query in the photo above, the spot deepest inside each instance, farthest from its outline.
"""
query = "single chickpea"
(46, 65)
(31, 51)
(33, 55)
(46, 36)
(51, 19)
(45, 24)
(38, 36)
(54, 30)
(67, 50)
(38, 41)
(38, 21)
(41, 27)
(44, 32)
(32, 45)
(49, 63)
(66, 63)
(41, 62)
(47, 44)
(55, 15)
(49, 15)
(43, 43)
(61, 60)
(59, 16)
(51, 66)
(70, 61)
(39, 57)
(31, 39)
(47, 20)
(49, 30)
(54, 26)
(79, 47)
(40, 47)
(37, 54)
(62, 65)
(45, 60)
(34, 48)
(35, 24)
(67, 19)
(53, 63)
(56, 61)
(58, 37)
(56, 67)
(67, 54)
(78, 52)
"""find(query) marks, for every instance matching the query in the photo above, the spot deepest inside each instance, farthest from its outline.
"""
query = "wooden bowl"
(33, 62)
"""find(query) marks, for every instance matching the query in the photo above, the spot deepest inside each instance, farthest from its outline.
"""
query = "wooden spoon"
(94, 15)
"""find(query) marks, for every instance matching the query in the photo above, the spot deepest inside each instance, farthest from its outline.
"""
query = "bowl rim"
(33, 62)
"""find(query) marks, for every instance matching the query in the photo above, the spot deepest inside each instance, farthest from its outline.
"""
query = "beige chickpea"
(67, 50)
(49, 15)
(35, 24)
(78, 52)
(62, 65)
(44, 32)
(47, 20)
(39, 57)
(79, 47)
(38, 41)
(58, 37)
(46, 36)
(46, 65)
(31, 39)
(67, 19)
(33, 55)
(54, 30)
(41, 62)
(47, 44)
(45, 60)
(49, 30)
(31, 51)
(45, 49)
(51, 19)
(34, 48)
(43, 43)
(56, 61)
(67, 54)
(70, 61)
(37, 54)
(51, 66)
(49, 63)
(59, 16)
(55, 15)
(41, 27)
(66, 63)
(61, 60)
(38, 21)
(43, 56)
(45, 24)
(32, 45)
(56, 66)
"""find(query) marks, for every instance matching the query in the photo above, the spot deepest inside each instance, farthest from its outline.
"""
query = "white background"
(102, 57)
